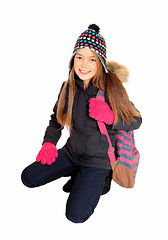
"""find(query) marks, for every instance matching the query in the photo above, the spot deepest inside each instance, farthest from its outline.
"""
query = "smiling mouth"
(83, 71)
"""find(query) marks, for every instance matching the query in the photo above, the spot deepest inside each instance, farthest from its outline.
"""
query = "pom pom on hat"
(94, 27)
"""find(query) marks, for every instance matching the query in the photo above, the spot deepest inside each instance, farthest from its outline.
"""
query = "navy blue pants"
(86, 190)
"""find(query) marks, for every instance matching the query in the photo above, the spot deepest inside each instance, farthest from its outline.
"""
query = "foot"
(107, 184)
(68, 186)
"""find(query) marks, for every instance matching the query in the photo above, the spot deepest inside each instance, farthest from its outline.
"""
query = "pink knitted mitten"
(100, 111)
(47, 154)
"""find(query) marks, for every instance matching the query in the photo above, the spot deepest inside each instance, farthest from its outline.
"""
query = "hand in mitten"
(100, 111)
(47, 154)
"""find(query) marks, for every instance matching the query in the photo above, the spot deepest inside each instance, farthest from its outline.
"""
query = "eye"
(92, 60)
(79, 58)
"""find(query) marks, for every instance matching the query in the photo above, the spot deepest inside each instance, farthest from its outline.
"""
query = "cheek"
(94, 69)
(76, 65)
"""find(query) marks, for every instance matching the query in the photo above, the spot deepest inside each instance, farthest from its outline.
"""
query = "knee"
(75, 219)
(76, 216)
(27, 179)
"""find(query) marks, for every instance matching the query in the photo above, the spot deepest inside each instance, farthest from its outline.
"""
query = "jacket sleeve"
(133, 125)
(54, 130)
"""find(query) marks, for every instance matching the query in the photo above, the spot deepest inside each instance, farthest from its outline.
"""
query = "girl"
(85, 155)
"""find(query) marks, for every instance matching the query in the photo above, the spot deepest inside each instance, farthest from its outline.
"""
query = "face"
(85, 65)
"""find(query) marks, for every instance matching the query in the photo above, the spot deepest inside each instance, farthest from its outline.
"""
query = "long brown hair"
(116, 93)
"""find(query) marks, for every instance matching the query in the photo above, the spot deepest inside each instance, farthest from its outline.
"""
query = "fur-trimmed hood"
(120, 70)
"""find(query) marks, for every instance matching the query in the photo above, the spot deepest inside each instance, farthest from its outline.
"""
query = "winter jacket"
(86, 146)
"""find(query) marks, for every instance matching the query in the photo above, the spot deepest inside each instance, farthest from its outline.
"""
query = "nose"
(84, 64)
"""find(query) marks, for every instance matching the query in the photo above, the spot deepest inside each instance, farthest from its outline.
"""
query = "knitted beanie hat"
(91, 39)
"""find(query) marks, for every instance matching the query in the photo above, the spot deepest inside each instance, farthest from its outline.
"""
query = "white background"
(36, 43)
